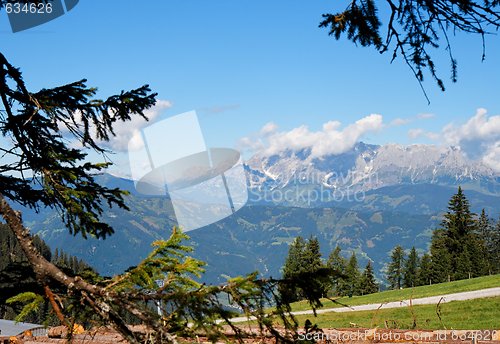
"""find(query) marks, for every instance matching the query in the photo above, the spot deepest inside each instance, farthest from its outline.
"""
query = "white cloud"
(480, 127)
(251, 144)
(478, 138)
(400, 121)
(404, 121)
(269, 128)
(492, 157)
(425, 115)
(331, 139)
(418, 132)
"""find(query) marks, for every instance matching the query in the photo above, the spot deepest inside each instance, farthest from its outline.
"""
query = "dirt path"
(431, 300)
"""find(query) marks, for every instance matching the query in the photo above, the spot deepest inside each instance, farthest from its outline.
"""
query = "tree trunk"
(96, 297)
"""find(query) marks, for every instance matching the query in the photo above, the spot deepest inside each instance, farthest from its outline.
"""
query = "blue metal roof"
(11, 328)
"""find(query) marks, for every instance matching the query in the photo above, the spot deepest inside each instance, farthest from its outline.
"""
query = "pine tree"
(305, 271)
(458, 220)
(316, 271)
(15, 267)
(496, 248)
(410, 269)
(414, 29)
(311, 259)
(51, 131)
(55, 257)
(395, 268)
(293, 267)
(484, 225)
(441, 268)
(486, 234)
(368, 284)
(463, 268)
(352, 276)
(478, 256)
(338, 264)
(42, 247)
(459, 225)
(468, 256)
(4, 258)
(424, 275)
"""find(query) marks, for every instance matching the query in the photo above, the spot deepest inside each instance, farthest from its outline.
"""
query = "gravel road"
(432, 300)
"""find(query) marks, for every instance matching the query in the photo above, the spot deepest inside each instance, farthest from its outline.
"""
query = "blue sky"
(244, 64)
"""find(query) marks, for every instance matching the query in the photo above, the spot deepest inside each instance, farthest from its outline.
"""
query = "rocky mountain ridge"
(368, 167)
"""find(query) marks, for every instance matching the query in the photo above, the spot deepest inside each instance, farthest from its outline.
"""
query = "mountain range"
(367, 167)
(366, 200)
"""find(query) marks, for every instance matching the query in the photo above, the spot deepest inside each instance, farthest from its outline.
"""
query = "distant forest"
(466, 245)
(16, 275)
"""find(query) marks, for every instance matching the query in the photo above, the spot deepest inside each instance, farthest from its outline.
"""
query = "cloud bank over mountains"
(332, 139)
(478, 138)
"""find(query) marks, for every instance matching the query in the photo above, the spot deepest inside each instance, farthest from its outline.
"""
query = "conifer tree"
(484, 225)
(55, 258)
(352, 276)
(466, 249)
(496, 248)
(368, 284)
(293, 267)
(314, 266)
(411, 269)
(338, 264)
(463, 266)
(486, 234)
(43, 168)
(311, 259)
(14, 266)
(305, 270)
(395, 268)
(414, 29)
(478, 256)
(441, 268)
(424, 275)
(459, 224)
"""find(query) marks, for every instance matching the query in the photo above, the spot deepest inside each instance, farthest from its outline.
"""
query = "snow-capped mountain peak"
(366, 167)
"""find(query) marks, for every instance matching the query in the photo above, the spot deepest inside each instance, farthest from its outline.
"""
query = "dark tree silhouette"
(411, 269)
(414, 28)
(368, 284)
(353, 275)
(41, 168)
(336, 262)
(487, 233)
(424, 270)
(395, 270)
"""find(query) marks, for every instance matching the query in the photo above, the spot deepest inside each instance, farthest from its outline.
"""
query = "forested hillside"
(16, 275)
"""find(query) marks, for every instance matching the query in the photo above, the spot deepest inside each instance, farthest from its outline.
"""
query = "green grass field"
(479, 314)
(413, 293)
